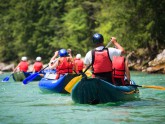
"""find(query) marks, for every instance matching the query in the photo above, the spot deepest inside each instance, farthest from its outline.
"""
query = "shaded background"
(39, 27)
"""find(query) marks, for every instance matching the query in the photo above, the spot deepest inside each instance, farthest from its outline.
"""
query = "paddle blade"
(6, 79)
(88, 73)
(73, 82)
(30, 78)
(154, 87)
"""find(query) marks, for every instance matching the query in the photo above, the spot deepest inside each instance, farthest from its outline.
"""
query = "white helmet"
(38, 59)
(78, 56)
(24, 58)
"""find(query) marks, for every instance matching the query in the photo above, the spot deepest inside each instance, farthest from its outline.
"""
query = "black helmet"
(98, 38)
(63, 53)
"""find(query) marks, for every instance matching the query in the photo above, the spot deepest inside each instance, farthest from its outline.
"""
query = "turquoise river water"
(26, 104)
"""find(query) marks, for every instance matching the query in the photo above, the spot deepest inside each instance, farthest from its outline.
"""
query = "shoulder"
(89, 53)
(69, 59)
(41, 63)
(88, 57)
(114, 51)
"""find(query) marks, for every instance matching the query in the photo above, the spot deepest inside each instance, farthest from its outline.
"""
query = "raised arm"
(55, 56)
(16, 68)
(69, 52)
(117, 45)
(53, 60)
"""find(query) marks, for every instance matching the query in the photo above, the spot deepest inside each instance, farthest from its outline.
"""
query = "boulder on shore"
(6, 68)
(142, 62)
(158, 64)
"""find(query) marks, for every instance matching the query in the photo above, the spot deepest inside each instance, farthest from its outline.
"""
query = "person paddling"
(79, 63)
(120, 73)
(22, 66)
(64, 64)
(38, 65)
(101, 58)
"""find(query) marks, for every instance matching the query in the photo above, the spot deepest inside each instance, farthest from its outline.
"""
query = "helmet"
(24, 58)
(63, 53)
(38, 58)
(98, 38)
(78, 56)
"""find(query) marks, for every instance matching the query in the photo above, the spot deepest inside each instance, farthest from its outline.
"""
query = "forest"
(40, 27)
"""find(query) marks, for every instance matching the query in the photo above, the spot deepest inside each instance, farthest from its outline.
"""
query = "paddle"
(153, 87)
(75, 80)
(32, 76)
(6, 79)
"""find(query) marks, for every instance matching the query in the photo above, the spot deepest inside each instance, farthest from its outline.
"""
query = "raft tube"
(56, 85)
(95, 91)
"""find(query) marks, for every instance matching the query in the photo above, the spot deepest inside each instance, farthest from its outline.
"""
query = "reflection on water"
(27, 104)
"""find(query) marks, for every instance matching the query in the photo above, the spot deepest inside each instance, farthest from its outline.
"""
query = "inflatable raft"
(50, 84)
(20, 76)
(95, 91)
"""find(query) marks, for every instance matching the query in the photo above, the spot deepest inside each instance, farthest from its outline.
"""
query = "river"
(26, 104)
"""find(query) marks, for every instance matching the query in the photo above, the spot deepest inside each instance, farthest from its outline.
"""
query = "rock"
(2, 65)
(8, 67)
(158, 64)
(160, 59)
(156, 69)
(30, 68)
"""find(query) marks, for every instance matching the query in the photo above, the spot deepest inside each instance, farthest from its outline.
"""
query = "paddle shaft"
(33, 76)
(153, 87)
(43, 68)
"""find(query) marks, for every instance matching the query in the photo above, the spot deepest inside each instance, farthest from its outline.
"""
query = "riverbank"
(138, 61)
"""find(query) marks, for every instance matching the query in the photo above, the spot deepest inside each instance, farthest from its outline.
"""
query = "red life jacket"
(118, 66)
(80, 64)
(64, 67)
(38, 66)
(23, 66)
(101, 61)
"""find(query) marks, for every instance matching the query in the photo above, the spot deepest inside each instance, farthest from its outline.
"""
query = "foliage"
(40, 27)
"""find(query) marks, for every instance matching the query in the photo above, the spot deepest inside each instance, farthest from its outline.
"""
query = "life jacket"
(118, 66)
(101, 61)
(38, 66)
(64, 67)
(23, 66)
(80, 64)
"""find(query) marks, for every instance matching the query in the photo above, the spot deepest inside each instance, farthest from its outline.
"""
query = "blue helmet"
(63, 53)
(98, 38)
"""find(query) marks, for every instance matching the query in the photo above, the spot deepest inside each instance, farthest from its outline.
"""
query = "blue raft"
(95, 91)
(53, 85)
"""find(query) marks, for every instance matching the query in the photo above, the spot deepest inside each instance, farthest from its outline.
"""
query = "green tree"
(39, 27)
